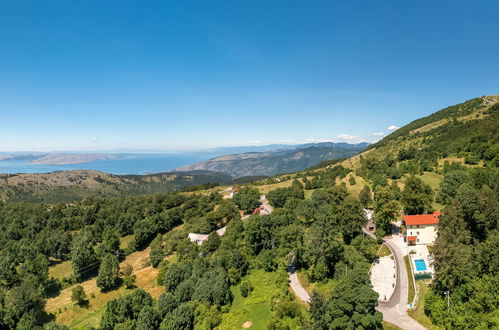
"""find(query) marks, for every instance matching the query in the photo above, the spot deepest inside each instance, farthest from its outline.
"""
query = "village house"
(421, 229)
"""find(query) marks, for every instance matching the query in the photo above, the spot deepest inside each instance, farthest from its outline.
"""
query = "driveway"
(297, 288)
(395, 310)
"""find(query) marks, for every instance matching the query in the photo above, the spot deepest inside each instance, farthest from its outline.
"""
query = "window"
(417, 226)
(410, 233)
(418, 240)
(417, 233)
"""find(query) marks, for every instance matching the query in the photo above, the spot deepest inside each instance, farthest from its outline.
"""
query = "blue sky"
(95, 75)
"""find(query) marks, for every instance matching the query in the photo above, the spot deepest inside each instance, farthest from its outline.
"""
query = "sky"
(101, 75)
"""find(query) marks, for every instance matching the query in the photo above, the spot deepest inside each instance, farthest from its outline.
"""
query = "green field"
(256, 307)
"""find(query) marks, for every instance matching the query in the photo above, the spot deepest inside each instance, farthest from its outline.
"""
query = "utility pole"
(447, 293)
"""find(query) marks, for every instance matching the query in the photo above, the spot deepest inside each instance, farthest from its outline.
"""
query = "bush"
(246, 288)
(78, 295)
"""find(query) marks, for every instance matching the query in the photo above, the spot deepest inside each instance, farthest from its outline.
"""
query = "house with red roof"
(421, 229)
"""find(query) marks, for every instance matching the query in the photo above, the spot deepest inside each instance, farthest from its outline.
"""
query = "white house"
(421, 229)
(201, 238)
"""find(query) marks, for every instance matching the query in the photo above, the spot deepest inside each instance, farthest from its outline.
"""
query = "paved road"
(299, 291)
(395, 310)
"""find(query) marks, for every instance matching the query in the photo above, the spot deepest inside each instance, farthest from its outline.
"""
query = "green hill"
(76, 185)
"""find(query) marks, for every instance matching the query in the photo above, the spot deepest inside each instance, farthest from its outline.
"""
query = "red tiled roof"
(411, 238)
(424, 219)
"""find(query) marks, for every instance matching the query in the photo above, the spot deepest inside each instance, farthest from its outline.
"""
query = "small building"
(370, 225)
(421, 229)
(201, 238)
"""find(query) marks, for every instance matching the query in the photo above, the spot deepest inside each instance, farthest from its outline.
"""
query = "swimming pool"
(420, 265)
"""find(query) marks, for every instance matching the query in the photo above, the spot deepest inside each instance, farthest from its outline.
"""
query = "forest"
(315, 227)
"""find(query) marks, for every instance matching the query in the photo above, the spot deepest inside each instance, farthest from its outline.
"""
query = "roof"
(423, 219)
(411, 238)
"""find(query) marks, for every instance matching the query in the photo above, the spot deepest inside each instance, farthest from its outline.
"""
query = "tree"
(24, 302)
(353, 303)
(166, 304)
(83, 258)
(350, 217)
(416, 196)
(351, 180)
(212, 243)
(110, 241)
(78, 295)
(247, 199)
(148, 319)
(365, 197)
(317, 311)
(450, 183)
(386, 214)
(128, 277)
(181, 318)
(108, 272)
(157, 253)
(246, 288)
(54, 326)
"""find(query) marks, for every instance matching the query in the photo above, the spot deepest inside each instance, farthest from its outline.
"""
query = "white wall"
(426, 234)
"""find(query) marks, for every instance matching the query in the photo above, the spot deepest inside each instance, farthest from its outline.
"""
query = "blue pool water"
(420, 265)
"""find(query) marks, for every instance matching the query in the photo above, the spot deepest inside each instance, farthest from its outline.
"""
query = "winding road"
(395, 310)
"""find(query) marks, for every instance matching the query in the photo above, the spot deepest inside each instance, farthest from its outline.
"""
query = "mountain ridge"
(278, 161)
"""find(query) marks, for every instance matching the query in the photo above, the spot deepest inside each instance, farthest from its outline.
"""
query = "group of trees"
(86, 233)
(466, 252)
(279, 196)
(351, 306)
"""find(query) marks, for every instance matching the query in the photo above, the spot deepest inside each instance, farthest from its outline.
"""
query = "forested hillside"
(277, 161)
(127, 262)
(77, 185)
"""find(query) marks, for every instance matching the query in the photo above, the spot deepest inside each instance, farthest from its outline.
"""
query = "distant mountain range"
(279, 161)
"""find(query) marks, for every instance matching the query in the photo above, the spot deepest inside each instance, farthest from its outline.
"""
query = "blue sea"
(125, 164)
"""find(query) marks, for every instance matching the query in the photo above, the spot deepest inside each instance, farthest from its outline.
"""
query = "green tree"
(23, 304)
(350, 217)
(128, 277)
(83, 258)
(108, 272)
(157, 253)
(353, 303)
(450, 183)
(247, 199)
(351, 180)
(181, 318)
(317, 311)
(386, 214)
(110, 241)
(212, 243)
(246, 288)
(166, 304)
(365, 196)
(148, 319)
(416, 196)
(78, 295)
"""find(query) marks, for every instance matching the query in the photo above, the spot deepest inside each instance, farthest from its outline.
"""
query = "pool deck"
(421, 252)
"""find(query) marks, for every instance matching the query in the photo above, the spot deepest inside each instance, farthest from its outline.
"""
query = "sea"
(124, 164)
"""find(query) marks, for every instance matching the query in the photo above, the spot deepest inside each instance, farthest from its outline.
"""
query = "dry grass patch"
(81, 317)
